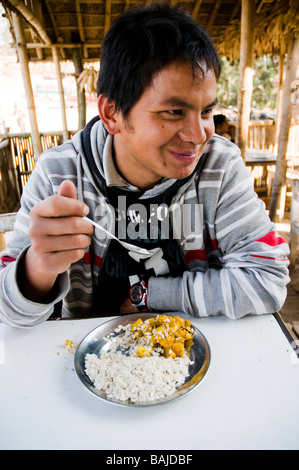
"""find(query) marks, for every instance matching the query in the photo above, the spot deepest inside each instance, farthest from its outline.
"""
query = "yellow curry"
(173, 335)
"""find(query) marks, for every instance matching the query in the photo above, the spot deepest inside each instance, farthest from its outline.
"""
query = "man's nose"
(194, 131)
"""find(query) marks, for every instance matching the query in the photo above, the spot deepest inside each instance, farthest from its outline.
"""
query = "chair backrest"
(7, 222)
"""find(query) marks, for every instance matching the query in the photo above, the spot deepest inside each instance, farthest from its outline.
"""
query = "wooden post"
(279, 99)
(24, 62)
(61, 94)
(277, 203)
(77, 58)
(246, 74)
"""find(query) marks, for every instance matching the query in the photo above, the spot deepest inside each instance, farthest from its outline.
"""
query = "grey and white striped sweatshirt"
(236, 263)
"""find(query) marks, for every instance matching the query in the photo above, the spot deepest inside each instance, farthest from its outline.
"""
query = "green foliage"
(227, 88)
(264, 92)
(264, 83)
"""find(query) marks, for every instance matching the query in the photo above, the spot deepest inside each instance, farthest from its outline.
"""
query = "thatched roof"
(83, 23)
(274, 22)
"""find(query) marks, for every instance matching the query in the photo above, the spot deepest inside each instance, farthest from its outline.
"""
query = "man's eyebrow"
(214, 103)
(174, 101)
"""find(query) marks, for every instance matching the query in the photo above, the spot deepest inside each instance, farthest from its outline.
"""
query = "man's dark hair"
(142, 42)
(219, 119)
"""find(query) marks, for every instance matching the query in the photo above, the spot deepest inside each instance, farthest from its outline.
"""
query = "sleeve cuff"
(165, 294)
(22, 311)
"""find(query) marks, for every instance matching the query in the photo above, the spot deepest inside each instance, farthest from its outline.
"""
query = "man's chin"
(183, 173)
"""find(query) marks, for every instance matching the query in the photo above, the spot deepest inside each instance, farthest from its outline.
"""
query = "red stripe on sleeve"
(7, 258)
(196, 254)
(271, 239)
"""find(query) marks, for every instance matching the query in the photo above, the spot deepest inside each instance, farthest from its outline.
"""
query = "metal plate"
(94, 343)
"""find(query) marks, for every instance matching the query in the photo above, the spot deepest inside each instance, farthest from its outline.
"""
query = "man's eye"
(175, 112)
(208, 111)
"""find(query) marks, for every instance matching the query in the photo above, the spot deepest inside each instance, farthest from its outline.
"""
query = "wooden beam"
(80, 21)
(196, 8)
(72, 45)
(246, 74)
(39, 50)
(259, 7)
(31, 19)
(81, 28)
(36, 7)
(107, 15)
(213, 15)
(127, 4)
(78, 63)
(279, 99)
(56, 30)
(276, 209)
(235, 10)
(24, 62)
(61, 94)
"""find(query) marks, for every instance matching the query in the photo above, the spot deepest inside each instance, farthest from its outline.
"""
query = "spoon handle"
(100, 227)
(128, 246)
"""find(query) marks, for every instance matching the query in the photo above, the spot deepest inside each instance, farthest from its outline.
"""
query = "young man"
(150, 170)
(222, 126)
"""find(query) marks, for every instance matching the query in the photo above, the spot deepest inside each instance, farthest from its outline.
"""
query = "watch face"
(136, 294)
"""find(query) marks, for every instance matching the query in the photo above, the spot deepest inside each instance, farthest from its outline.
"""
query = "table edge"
(286, 332)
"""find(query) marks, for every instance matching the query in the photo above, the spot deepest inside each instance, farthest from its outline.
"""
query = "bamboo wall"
(16, 164)
(9, 189)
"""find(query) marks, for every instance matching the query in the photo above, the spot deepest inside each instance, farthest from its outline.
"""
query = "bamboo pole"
(107, 15)
(61, 94)
(196, 8)
(246, 74)
(277, 202)
(279, 100)
(32, 20)
(77, 59)
(24, 62)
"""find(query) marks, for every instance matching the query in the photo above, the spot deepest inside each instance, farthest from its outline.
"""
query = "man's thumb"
(67, 189)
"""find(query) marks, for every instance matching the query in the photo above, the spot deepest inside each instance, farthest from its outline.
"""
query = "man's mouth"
(183, 155)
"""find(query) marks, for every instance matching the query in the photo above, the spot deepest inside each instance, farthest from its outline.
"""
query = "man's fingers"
(67, 189)
(62, 243)
(64, 204)
(57, 226)
(59, 235)
(58, 262)
(59, 206)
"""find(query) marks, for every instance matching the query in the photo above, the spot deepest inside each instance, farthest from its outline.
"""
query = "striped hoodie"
(236, 263)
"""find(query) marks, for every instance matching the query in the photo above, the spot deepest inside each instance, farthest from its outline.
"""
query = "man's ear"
(107, 114)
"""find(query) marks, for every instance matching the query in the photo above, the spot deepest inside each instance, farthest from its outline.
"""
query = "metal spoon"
(128, 246)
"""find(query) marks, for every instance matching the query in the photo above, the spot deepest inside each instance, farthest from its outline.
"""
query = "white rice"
(129, 377)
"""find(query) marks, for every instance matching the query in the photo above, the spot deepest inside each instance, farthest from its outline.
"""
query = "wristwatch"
(138, 295)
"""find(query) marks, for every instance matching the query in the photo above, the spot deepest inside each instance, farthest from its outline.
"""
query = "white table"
(248, 399)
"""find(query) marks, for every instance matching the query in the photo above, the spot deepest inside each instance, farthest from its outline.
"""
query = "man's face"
(167, 130)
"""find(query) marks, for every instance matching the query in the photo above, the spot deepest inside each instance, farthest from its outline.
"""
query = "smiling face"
(167, 130)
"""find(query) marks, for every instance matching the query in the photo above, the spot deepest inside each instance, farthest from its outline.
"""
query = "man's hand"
(58, 236)
(127, 307)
